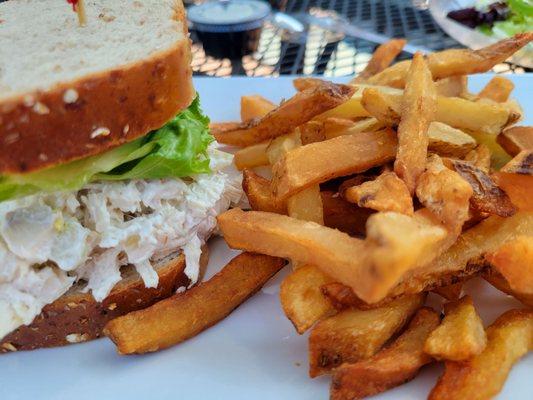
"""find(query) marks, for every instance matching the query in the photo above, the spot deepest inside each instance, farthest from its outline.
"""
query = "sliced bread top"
(70, 91)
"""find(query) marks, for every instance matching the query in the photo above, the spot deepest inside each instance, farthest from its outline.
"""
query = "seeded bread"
(76, 317)
(68, 92)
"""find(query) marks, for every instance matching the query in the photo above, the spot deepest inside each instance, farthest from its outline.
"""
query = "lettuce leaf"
(178, 149)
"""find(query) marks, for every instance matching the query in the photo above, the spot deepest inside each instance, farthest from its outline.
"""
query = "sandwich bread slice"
(110, 182)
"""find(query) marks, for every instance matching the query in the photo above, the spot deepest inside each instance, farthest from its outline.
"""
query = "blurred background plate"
(439, 10)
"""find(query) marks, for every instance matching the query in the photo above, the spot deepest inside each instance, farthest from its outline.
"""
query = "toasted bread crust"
(90, 115)
(77, 317)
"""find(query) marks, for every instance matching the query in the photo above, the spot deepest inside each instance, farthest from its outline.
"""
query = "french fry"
(281, 145)
(449, 142)
(453, 86)
(452, 62)
(251, 156)
(522, 164)
(487, 197)
(344, 216)
(342, 297)
(352, 335)
(305, 83)
(259, 195)
(391, 367)
(289, 115)
(499, 282)
(386, 193)
(489, 118)
(480, 158)
(514, 260)
(301, 297)
(445, 193)
(516, 139)
(383, 56)
(397, 243)
(312, 164)
(255, 106)
(498, 89)
(509, 338)
(186, 314)
(334, 127)
(460, 336)
(307, 205)
(219, 128)
(485, 237)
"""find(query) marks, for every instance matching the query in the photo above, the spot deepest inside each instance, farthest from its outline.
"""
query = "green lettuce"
(178, 149)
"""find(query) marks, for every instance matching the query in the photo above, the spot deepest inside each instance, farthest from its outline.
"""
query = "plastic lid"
(228, 16)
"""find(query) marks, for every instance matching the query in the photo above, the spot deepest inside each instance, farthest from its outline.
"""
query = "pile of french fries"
(400, 183)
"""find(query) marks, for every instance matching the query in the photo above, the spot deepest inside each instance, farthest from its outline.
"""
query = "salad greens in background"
(500, 19)
(178, 149)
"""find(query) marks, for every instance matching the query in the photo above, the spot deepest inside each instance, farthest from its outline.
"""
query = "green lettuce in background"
(178, 149)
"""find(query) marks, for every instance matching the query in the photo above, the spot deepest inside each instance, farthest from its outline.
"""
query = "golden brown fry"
(499, 282)
(451, 292)
(281, 145)
(352, 335)
(518, 187)
(487, 117)
(334, 127)
(445, 193)
(449, 142)
(301, 297)
(289, 115)
(255, 106)
(516, 139)
(304, 83)
(386, 193)
(313, 164)
(383, 56)
(251, 156)
(391, 367)
(259, 195)
(397, 243)
(498, 89)
(341, 296)
(453, 86)
(460, 335)
(480, 158)
(344, 216)
(487, 196)
(452, 62)
(311, 132)
(514, 260)
(218, 128)
(509, 338)
(186, 314)
(498, 155)
(464, 254)
(418, 110)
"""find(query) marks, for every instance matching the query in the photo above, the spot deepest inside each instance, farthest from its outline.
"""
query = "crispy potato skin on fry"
(452, 62)
(450, 292)
(259, 195)
(352, 335)
(460, 335)
(447, 141)
(480, 157)
(522, 164)
(342, 297)
(487, 197)
(186, 314)
(389, 368)
(509, 338)
(386, 193)
(519, 188)
(344, 216)
(312, 164)
(419, 105)
(514, 260)
(255, 106)
(290, 114)
(445, 193)
(516, 139)
(301, 297)
(498, 89)
(383, 56)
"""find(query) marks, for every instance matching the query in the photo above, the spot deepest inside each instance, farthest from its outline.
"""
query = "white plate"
(439, 10)
(253, 354)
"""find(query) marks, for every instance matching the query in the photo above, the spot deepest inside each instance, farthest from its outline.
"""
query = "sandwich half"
(110, 182)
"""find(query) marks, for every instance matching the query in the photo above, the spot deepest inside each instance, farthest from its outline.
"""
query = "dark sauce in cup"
(229, 29)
